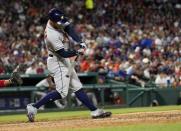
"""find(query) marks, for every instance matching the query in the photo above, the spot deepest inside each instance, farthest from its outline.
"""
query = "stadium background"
(132, 43)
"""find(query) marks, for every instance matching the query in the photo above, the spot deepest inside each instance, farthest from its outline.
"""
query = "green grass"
(135, 127)
(51, 116)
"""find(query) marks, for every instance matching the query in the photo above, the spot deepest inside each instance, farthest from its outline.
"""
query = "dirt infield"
(115, 120)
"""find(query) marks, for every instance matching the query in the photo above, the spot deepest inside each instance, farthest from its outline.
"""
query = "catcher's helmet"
(58, 17)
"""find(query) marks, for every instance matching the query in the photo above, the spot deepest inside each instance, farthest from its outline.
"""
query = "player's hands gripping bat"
(83, 45)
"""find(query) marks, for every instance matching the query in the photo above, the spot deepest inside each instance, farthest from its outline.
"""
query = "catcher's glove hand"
(16, 79)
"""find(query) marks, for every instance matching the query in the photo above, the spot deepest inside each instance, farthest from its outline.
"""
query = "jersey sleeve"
(55, 40)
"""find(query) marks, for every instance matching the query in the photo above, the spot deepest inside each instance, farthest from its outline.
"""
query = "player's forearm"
(66, 53)
(72, 33)
(2, 83)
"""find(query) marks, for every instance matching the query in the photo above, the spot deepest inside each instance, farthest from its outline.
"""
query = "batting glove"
(83, 45)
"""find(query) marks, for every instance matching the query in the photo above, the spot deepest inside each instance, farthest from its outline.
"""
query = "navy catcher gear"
(58, 17)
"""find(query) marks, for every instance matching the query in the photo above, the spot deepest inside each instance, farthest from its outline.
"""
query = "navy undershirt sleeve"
(72, 33)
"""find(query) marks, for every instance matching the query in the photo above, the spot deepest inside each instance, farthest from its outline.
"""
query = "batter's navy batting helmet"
(58, 17)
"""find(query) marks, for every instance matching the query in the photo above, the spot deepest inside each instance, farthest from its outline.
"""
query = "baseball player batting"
(61, 62)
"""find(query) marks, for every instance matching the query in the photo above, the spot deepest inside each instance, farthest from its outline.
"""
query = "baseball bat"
(71, 67)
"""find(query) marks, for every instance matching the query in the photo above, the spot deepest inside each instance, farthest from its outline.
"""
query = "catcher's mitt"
(15, 76)
(16, 79)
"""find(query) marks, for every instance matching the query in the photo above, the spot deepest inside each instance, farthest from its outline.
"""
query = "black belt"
(50, 55)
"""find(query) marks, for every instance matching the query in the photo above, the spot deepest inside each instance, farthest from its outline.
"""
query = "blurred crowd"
(128, 40)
